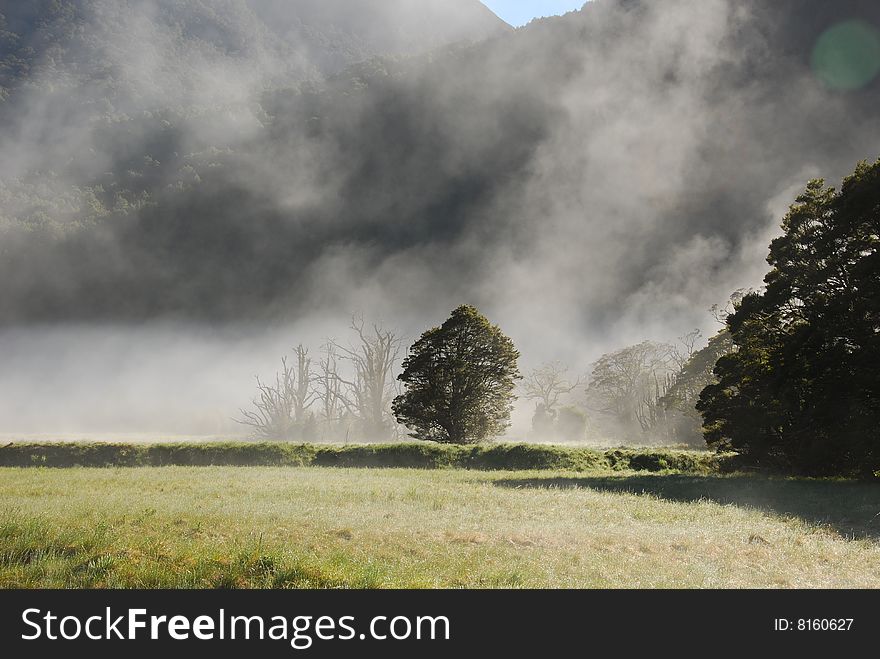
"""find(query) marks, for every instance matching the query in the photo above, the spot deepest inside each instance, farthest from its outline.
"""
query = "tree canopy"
(681, 397)
(459, 380)
(627, 384)
(801, 388)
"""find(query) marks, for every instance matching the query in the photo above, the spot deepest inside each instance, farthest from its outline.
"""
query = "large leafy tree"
(459, 380)
(801, 387)
(626, 386)
(681, 397)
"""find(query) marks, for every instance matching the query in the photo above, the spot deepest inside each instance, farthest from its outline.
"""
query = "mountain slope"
(622, 166)
(340, 32)
(107, 106)
(90, 37)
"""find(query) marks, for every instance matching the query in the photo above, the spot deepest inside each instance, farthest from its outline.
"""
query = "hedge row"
(418, 456)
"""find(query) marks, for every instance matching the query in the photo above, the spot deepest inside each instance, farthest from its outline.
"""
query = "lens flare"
(847, 55)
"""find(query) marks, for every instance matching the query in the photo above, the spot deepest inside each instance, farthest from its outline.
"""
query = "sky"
(520, 12)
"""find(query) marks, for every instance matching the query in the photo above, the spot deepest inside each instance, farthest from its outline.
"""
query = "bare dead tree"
(304, 394)
(368, 392)
(688, 344)
(272, 413)
(279, 411)
(329, 389)
(547, 384)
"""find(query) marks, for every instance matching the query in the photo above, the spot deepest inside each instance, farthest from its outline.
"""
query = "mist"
(190, 190)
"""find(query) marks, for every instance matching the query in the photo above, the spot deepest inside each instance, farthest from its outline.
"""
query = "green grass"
(409, 455)
(182, 527)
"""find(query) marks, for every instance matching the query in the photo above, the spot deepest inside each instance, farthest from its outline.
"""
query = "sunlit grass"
(361, 528)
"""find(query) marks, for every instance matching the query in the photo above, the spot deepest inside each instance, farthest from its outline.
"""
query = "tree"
(329, 393)
(368, 393)
(280, 410)
(543, 423)
(547, 384)
(681, 398)
(628, 384)
(458, 380)
(571, 424)
(800, 389)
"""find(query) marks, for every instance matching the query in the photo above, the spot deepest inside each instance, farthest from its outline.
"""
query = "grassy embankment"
(408, 455)
(598, 524)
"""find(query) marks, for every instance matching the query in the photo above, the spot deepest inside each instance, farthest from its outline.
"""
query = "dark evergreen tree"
(801, 387)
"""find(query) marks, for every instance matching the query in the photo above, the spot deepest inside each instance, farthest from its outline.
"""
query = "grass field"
(365, 528)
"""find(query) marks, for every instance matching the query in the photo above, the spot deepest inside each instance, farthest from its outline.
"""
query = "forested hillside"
(211, 160)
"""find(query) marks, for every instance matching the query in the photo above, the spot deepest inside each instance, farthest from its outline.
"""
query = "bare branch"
(547, 384)
(280, 409)
(368, 392)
